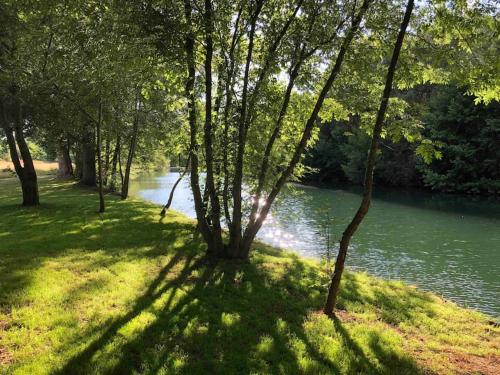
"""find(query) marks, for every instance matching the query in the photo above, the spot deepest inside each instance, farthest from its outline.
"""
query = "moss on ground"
(122, 292)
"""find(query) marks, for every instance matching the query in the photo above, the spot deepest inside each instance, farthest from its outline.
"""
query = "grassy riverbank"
(123, 293)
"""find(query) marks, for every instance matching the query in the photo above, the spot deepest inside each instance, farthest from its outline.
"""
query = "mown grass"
(122, 293)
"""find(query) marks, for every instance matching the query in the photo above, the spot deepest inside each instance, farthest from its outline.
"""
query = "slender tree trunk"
(191, 108)
(102, 207)
(131, 151)
(370, 167)
(88, 158)
(215, 212)
(227, 109)
(233, 250)
(67, 152)
(120, 166)
(107, 157)
(294, 72)
(171, 196)
(114, 162)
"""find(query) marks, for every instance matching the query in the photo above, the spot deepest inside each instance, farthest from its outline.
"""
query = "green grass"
(125, 293)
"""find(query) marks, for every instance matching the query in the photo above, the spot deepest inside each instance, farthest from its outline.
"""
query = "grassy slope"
(124, 293)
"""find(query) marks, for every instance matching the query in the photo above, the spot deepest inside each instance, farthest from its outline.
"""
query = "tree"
(261, 43)
(14, 87)
(370, 167)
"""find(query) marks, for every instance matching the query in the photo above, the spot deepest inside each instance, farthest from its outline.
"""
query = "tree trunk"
(78, 161)
(102, 207)
(234, 250)
(370, 167)
(88, 158)
(25, 172)
(215, 212)
(29, 180)
(107, 157)
(256, 223)
(114, 162)
(171, 196)
(191, 108)
(65, 169)
(131, 151)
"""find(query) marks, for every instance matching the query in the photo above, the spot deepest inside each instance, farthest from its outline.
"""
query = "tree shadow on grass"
(67, 224)
(393, 302)
(228, 318)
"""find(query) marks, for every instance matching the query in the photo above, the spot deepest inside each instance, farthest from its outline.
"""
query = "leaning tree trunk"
(99, 159)
(370, 167)
(171, 195)
(88, 158)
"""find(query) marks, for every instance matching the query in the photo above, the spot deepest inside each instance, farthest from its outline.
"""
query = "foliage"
(470, 134)
(458, 135)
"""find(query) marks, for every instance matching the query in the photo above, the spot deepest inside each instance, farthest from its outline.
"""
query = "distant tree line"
(467, 135)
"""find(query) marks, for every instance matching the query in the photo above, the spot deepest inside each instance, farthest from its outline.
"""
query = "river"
(446, 244)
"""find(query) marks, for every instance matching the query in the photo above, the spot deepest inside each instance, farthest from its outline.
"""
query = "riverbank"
(123, 292)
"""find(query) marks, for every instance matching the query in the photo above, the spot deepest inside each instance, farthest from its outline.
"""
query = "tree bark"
(15, 139)
(78, 161)
(107, 157)
(114, 162)
(370, 167)
(102, 207)
(235, 229)
(65, 168)
(131, 151)
(191, 108)
(88, 158)
(215, 212)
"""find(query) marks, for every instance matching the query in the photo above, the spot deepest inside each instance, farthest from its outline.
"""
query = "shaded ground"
(120, 293)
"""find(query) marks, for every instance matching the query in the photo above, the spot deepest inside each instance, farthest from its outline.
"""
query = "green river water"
(446, 244)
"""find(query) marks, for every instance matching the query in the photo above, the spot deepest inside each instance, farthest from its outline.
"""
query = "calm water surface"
(446, 244)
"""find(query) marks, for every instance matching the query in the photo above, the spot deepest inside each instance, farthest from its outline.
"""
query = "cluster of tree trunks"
(208, 205)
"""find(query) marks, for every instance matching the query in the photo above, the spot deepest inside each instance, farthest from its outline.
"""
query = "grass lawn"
(123, 293)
